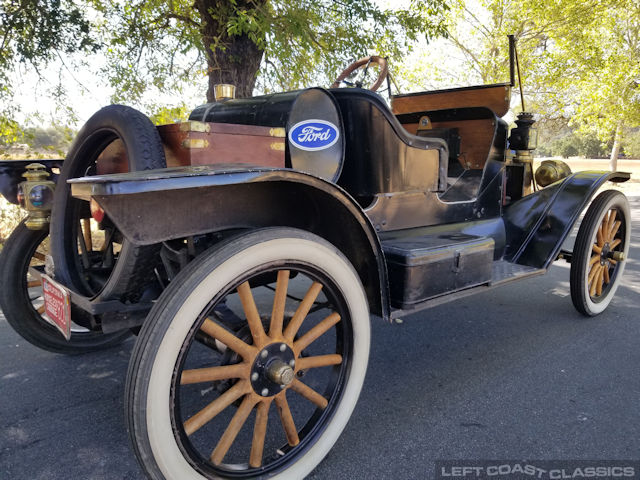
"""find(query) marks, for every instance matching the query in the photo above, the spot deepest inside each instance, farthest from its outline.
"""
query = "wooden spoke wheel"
(21, 266)
(251, 362)
(600, 253)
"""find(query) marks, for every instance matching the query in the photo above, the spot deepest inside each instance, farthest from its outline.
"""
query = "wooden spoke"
(599, 279)
(251, 312)
(309, 393)
(229, 339)
(259, 432)
(305, 363)
(289, 426)
(39, 256)
(86, 230)
(616, 227)
(593, 273)
(600, 237)
(593, 283)
(615, 243)
(214, 408)
(40, 309)
(233, 429)
(211, 374)
(594, 260)
(302, 311)
(610, 223)
(612, 261)
(597, 249)
(316, 332)
(279, 301)
(607, 279)
(34, 283)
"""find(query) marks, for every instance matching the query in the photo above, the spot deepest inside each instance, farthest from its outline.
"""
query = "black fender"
(538, 224)
(153, 206)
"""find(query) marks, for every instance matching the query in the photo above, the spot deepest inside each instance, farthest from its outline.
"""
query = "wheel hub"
(273, 369)
(606, 250)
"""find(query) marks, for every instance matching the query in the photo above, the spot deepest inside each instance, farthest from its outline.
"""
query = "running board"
(503, 272)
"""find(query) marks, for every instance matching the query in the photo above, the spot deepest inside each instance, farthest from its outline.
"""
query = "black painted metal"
(521, 137)
(417, 207)
(381, 156)
(538, 224)
(285, 110)
(512, 65)
(503, 273)
(398, 175)
(424, 267)
(156, 205)
(490, 228)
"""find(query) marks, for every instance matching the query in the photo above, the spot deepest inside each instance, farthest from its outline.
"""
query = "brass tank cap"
(224, 91)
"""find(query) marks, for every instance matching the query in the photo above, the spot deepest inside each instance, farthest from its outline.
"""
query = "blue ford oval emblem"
(313, 134)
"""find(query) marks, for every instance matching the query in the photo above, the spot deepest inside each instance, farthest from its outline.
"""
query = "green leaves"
(281, 44)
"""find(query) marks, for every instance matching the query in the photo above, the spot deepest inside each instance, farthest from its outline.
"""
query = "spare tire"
(118, 269)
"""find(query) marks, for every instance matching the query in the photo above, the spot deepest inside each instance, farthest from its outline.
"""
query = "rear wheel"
(115, 139)
(600, 252)
(21, 264)
(251, 362)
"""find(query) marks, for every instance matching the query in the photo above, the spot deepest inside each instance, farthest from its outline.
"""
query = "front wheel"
(251, 361)
(600, 252)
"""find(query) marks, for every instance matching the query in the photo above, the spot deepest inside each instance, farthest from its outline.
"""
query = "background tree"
(597, 61)
(580, 60)
(281, 44)
(34, 32)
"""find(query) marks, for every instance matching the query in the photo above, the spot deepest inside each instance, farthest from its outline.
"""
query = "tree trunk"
(230, 59)
(615, 151)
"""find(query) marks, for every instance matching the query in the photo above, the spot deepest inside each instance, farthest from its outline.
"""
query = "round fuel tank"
(310, 119)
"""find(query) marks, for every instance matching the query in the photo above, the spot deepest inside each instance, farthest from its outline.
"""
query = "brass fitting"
(551, 171)
(224, 91)
(35, 195)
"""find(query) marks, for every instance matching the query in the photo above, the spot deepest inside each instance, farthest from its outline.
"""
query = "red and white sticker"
(57, 305)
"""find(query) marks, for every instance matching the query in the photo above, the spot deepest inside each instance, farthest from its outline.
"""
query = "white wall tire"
(604, 232)
(160, 352)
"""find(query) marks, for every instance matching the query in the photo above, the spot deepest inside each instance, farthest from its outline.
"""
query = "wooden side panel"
(222, 143)
(113, 159)
(197, 143)
(497, 98)
(475, 139)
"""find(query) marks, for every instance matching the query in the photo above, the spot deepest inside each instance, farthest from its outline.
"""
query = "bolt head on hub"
(280, 373)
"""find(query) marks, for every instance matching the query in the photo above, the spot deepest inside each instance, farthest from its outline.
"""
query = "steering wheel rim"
(382, 62)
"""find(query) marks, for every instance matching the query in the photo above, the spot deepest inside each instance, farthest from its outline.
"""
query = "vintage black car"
(249, 247)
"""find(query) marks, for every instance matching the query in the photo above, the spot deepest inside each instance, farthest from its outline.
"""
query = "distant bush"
(56, 138)
(592, 148)
(573, 145)
(632, 145)
(10, 216)
(565, 147)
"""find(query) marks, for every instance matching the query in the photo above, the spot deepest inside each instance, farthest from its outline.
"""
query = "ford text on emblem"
(313, 134)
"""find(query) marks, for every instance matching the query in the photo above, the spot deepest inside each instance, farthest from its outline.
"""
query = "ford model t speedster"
(250, 266)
